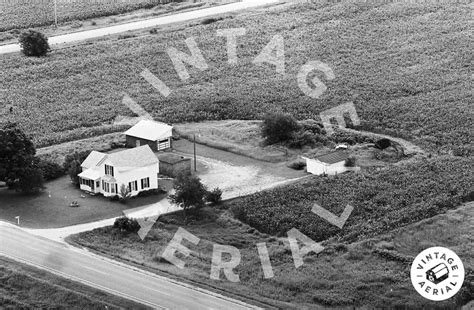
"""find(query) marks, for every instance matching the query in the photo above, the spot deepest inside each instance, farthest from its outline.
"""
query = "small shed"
(172, 164)
(330, 164)
(147, 132)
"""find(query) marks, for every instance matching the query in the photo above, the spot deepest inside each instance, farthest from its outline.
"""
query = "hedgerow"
(382, 200)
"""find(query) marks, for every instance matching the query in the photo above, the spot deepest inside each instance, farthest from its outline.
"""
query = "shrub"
(278, 127)
(210, 20)
(34, 43)
(150, 192)
(126, 224)
(383, 144)
(301, 138)
(124, 193)
(298, 164)
(50, 170)
(313, 126)
(350, 162)
(214, 196)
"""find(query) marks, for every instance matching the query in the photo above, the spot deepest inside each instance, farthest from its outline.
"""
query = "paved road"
(126, 281)
(169, 19)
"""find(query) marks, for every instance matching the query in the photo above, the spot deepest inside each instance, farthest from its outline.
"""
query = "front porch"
(89, 181)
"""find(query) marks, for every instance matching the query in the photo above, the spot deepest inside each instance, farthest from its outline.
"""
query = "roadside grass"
(342, 275)
(51, 209)
(26, 287)
(403, 65)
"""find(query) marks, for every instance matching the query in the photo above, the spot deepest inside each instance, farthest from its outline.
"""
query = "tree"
(30, 179)
(189, 192)
(72, 165)
(34, 43)
(19, 167)
(278, 127)
(74, 170)
(214, 197)
(124, 193)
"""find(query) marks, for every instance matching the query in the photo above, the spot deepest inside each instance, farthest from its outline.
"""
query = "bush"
(214, 196)
(210, 20)
(150, 192)
(126, 224)
(350, 162)
(298, 164)
(124, 193)
(50, 170)
(383, 144)
(301, 138)
(313, 126)
(34, 43)
(278, 127)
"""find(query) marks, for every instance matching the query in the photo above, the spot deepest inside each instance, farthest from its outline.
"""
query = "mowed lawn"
(51, 209)
(405, 66)
(25, 287)
(357, 274)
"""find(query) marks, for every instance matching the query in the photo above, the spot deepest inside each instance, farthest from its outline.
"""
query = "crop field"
(382, 200)
(405, 66)
(23, 14)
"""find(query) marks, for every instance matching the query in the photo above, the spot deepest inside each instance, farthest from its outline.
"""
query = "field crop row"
(405, 66)
(34, 13)
(382, 200)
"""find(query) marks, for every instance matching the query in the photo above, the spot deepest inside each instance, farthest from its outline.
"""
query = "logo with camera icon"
(437, 273)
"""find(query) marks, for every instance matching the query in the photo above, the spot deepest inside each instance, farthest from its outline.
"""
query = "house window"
(113, 187)
(86, 182)
(109, 170)
(145, 183)
(97, 184)
(133, 186)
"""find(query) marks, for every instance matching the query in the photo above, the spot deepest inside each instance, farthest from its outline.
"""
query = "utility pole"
(194, 152)
(56, 13)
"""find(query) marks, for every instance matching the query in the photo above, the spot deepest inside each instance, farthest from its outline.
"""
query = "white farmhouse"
(137, 168)
(329, 164)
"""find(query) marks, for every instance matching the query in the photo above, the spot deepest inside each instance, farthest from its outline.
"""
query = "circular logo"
(437, 273)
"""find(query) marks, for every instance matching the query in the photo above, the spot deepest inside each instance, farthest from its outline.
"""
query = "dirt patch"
(236, 175)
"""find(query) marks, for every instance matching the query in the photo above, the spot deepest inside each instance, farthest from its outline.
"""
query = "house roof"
(136, 157)
(150, 130)
(132, 158)
(333, 157)
(171, 158)
(93, 159)
(91, 174)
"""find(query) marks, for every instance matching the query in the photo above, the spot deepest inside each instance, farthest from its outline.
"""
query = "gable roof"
(150, 130)
(132, 158)
(93, 159)
(333, 157)
(136, 157)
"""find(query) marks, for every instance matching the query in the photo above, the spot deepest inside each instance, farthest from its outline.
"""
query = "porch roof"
(90, 174)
